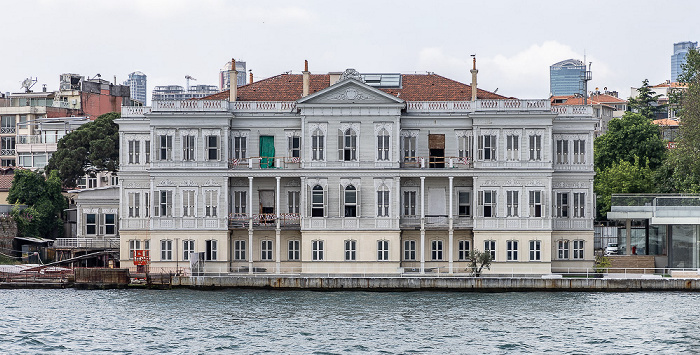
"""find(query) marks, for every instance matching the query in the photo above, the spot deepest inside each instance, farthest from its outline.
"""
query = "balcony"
(478, 105)
(435, 162)
(86, 243)
(263, 106)
(135, 111)
(264, 221)
(7, 130)
(190, 106)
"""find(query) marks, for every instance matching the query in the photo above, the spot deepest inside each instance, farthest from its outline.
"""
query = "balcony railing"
(135, 111)
(87, 243)
(263, 106)
(7, 130)
(38, 139)
(7, 152)
(191, 105)
(569, 110)
(263, 220)
(478, 105)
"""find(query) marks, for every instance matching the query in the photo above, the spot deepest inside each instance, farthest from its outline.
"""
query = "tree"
(633, 135)
(478, 260)
(45, 203)
(94, 145)
(646, 102)
(621, 177)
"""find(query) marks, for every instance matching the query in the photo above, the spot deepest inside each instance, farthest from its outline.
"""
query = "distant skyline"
(515, 42)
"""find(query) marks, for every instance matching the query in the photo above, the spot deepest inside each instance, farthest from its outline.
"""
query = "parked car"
(612, 249)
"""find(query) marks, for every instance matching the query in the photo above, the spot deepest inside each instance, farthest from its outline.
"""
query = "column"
(422, 224)
(628, 238)
(250, 224)
(277, 229)
(450, 229)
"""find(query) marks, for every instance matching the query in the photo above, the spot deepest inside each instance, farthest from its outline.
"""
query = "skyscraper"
(565, 77)
(137, 84)
(680, 49)
(224, 79)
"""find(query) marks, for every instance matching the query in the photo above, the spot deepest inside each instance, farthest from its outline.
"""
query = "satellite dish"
(28, 83)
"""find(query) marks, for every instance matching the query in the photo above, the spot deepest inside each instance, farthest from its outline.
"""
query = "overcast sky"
(515, 41)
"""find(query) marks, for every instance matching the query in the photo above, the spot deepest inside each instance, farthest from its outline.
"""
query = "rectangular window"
(347, 145)
(512, 147)
(463, 248)
(211, 201)
(382, 250)
(562, 151)
(92, 182)
(578, 249)
(239, 202)
(490, 246)
(409, 250)
(579, 204)
(110, 224)
(350, 250)
(239, 250)
(188, 143)
(383, 203)
(383, 145)
(318, 206)
(212, 147)
(240, 146)
(465, 144)
(563, 249)
(266, 250)
(535, 250)
(134, 204)
(164, 205)
(512, 203)
(210, 250)
(147, 201)
(436, 250)
(487, 147)
(293, 250)
(536, 147)
(511, 250)
(465, 204)
(147, 148)
(187, 248)
(188, 203)
(409, 203)
(317, 145)
(166, 249)
(409, 149)
(293, 202)
(487, 203)
(579, 151)
(294, 147)
(350, 201)
(317, 250)
(91, 224)
(134, 152)
(133, 246)
(562, 204)
(535, 203)
(165, 147)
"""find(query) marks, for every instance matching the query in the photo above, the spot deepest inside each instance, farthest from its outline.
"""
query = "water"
(305, 322)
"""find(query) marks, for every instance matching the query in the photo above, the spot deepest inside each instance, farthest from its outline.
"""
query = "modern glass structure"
(137, 85)
(224, 76)
(680, 49)
(565, 77)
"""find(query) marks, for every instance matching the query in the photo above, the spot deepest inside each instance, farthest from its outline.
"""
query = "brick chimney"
(250, 77)
(233, 81)
(306, 77)
(474, 72)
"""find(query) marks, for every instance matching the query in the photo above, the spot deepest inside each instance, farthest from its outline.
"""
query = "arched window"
(350, 200)
(317, 203)
(317, 142)
(383, 145)
(347, 145)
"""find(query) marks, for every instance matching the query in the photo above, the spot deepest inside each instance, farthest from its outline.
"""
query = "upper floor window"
(187, 248)
(347, 145)
(350, 201)
(409, 149)
(579, 151)
(110, 224)
(240, 147)
(147, 148)
(536, 147)
(562, 204)
(164, 205)
(165, 147)
(350, 250)
(535, 203)
(294, 147)
(487, 147)
(465, 204)
(383, 145)
(562, 151)
(188, 203)
(188, 147)
(465, 144)
(134, 152)
(212, 147)
(211, 201)
(512, 203)
(293, 202)
(512, 147)
(317, 201)
(383, 201)
(579, 204)
(317, 145)
(166, 249)
(239, 202)
(317, 250)
(91, 224)
(487, 203)
(134, 204)
(409, 203)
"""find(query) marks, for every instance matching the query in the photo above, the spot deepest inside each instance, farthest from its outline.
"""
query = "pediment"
(350, 91)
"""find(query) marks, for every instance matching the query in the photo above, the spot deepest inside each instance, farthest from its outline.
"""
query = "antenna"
(585, 78)
(28, 83)
(188, 78)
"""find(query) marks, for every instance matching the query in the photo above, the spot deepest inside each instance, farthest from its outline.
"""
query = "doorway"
(436, 146)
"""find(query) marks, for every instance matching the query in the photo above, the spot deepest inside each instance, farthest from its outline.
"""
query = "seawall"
(484, 284)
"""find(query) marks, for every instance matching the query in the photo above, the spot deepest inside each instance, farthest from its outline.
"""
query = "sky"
(515, 42)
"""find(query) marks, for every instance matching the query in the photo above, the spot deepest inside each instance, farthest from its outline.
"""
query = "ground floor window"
(187, 248)
(382, 250)
(210, 249)
(166, 249)
(409, 250)
(266, 250)
(350, 250)
(511, 250)
(535, 250)
(463, 247)
(562, 249)
(239, 250)
(490, 246)
(317, 250)
(436, 250)
(133, 246)
(293, 250)
(578, 249)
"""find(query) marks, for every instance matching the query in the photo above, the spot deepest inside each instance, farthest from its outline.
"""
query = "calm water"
(305, 322)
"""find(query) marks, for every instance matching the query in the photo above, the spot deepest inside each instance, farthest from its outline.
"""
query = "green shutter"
(267, 152)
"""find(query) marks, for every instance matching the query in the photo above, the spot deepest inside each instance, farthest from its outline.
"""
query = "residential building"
(680, 50)
(351, 173)
(137, 86)
(37, 139)
(224, 75)
(606, 106)
(565, 77)
(177, 92)
(664, 89)
(93, 97)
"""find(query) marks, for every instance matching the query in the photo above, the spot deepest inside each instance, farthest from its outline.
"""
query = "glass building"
(680, 49)
(137, 86)
(565, 77)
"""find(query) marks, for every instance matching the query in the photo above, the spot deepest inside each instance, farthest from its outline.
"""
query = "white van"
(611, 249)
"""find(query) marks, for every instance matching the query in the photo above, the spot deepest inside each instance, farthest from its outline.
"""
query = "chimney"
(233, 81)
(305, 79)
(474, 72)
(250, 76)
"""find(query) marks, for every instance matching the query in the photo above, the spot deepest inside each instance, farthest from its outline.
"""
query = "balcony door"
(436, 146)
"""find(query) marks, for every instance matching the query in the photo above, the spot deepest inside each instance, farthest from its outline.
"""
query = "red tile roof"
(665, 122)
(670, 85)
(6, 181)
(608, 99)
(415, 87)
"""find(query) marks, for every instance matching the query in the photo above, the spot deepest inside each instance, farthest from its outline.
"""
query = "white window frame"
(409, 250)
(536, 147)
(266, 250)
(240, 202)
(211, 249)
(213, 147)
(240, 147)
(464, 145)
(134, 147)
(350, 249)
(318, 143)
(463, 249)
(165, 147)
(211, 203)
(166, 249)
(409, 202)
(239, 249)
(562, 151)
(487, 147)
(294, 250)
(351, 201)
(134, 204)
(512, 204)
(91, 225)
(383, 250)
(108, 225)
(347, 144)
(294, 146)
(188, 203)
(579, 151)
(187, 248)
(563, 205)
(436, 250)
(536, 203)
(164, 204)
(535, 250)
(383, 145)
(317, 250)
(579, 205)
(511, 250)
(487, 202)
(563, 249)
(490, 246)
(578, 249)
(383, 201)
(512, 147)
(464, 203)
(147, 151)
(188, 144)
(293, 201)
(318, 201)
(134, 244)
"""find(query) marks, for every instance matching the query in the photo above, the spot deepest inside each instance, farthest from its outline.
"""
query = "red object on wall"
(142, 257)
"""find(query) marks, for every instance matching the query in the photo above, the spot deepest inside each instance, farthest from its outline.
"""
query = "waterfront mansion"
(352, 173)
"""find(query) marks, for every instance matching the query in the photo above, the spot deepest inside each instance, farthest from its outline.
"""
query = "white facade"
(351, 179)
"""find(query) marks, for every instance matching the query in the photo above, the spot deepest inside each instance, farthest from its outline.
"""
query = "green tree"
(478, 260)
(94, 145)
(45, 204)
(633, 135)
(621, 177)
(646, 102)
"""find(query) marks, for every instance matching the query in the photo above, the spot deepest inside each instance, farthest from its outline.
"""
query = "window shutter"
(169, 203)
(358, 199)
(156, 207)
(325, 202)
(340, 145)
(341, 201)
